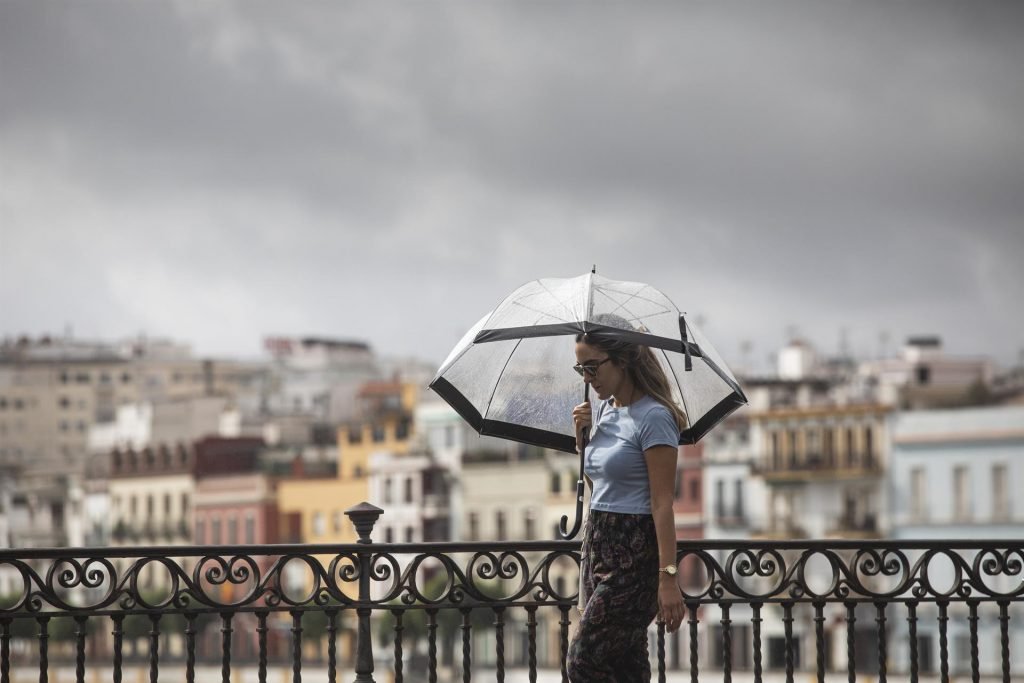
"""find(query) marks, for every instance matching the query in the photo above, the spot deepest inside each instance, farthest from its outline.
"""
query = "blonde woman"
(628, 563)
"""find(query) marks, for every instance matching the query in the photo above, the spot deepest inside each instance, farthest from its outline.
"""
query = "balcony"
(817, 467)
(765, 610)
(865, 527)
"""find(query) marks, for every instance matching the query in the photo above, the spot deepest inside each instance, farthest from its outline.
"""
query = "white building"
(318, 376)
(413, 489)
(956, 474)
(923, 375)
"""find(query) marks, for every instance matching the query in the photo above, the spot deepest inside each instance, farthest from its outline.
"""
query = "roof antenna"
(594, 269)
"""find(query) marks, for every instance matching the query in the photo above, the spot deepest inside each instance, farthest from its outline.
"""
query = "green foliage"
(315, 622)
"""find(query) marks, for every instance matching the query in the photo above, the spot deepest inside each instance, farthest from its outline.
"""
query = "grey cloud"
(390, 173)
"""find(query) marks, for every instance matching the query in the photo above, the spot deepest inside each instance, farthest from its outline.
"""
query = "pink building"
(235, 504)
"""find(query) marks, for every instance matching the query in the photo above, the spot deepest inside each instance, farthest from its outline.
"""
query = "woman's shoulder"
(648, 408)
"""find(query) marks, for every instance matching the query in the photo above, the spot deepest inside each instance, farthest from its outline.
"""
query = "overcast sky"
(220, 172)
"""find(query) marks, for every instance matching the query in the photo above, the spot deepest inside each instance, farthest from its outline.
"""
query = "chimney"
(298, 466)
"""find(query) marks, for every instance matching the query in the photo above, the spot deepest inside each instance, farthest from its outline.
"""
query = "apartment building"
(956, 474)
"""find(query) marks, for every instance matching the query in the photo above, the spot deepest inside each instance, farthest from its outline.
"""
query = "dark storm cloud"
(391, 173)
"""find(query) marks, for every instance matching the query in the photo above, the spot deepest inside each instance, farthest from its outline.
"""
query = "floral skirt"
(618, 597)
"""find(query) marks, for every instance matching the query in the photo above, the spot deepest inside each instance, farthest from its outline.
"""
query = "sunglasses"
(589, 369)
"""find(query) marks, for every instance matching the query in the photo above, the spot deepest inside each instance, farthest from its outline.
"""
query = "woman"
(629, 546)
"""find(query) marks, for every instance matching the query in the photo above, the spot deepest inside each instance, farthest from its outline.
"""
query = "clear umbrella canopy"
(512, 374)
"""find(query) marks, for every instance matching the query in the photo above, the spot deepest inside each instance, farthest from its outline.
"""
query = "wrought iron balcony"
(462, 611)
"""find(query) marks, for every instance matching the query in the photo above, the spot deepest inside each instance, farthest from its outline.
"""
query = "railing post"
(363, 517)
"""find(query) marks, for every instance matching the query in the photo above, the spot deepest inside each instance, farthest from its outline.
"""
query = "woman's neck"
(626, 397)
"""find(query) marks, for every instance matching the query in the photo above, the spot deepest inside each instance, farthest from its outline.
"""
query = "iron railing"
(772, 610)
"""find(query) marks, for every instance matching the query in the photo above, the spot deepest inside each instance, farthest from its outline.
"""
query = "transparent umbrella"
(511, 375)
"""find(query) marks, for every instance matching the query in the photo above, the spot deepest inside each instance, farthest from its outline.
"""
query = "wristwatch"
(670, 569)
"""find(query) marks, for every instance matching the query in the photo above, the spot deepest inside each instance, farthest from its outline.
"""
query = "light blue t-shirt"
(615, 456)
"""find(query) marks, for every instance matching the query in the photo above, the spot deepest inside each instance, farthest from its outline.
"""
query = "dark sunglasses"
(589, 369)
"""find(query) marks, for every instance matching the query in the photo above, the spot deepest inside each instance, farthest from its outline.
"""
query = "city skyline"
(222, 173)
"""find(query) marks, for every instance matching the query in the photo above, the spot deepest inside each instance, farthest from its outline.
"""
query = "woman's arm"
(661, 474)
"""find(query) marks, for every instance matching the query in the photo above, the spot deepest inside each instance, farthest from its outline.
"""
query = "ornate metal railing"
(455, 611)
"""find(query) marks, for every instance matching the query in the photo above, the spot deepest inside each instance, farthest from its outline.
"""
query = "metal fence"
(757, 610)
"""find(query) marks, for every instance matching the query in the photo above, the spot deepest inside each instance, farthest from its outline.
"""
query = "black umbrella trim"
(562, 442)
(723, 409)
(562, 329)
(529, 435)
(728, 380)
(504, 430)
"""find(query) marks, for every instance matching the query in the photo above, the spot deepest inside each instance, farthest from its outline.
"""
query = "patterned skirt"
(618, 597)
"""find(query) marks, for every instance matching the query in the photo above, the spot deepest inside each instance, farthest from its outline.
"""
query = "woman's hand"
(670, 603)
(581, 417)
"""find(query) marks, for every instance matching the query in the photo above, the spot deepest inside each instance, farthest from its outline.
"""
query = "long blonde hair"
(643, 369)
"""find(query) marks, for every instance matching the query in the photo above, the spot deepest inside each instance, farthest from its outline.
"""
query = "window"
(250, 528)
(776, 452)
(389, 535)
(1000, 497)
(923, 374)
(695, 490)
(529, 524)
(387, 490)
(167, 505)
(184, 505)
(232, 530)
(402, 429)
(827, 447)
(355, 435)
(336, 518)
(720, 498)
(792, 447)
(556, 482)
(961, 493)
(409, 532)
(813, 435)
(215, 531)
(869, 450)
(918, 511)
(408, 489)
(499, 522)
(474, 526)
(849, 448)
(378, 433)
(738, 500)
(64, 402)
(200, 531)
(319, 529)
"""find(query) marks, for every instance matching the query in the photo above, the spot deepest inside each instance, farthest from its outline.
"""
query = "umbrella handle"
(563, 524)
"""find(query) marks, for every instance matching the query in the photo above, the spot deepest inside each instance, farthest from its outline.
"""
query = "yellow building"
(386, 425)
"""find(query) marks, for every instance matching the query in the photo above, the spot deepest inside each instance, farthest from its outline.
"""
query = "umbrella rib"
(637, 318)
(636, 295)
(538, 311)
(555, 299)
(678, 386)
(487, 408)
